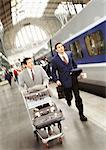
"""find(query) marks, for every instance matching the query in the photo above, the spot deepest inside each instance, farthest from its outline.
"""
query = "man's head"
(23, 65)
(28, 62)
(59, 47)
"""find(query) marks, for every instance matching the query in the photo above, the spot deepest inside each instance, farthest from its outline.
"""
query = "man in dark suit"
(65, 72)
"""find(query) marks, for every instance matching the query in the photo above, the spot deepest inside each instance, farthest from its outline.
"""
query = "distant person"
(32, 75)
(8, 76)
(43, 63)
(47, 67)
(22, 66)
(15, 72)
(65, 72)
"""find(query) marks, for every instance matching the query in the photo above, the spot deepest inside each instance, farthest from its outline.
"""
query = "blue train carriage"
(89, 50)
(90, 46)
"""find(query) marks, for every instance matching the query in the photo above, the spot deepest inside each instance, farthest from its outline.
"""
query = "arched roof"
(7, 5)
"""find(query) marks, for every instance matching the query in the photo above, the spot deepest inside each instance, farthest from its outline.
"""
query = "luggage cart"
(44, 115)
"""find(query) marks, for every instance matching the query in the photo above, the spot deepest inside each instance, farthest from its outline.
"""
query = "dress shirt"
(29, 71)
(65, 55)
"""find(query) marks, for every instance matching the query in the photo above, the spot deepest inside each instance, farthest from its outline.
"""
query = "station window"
(76, 49)
(95, 43)
(30, 35)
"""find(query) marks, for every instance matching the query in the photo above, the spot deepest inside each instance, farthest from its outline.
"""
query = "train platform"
(16, 130)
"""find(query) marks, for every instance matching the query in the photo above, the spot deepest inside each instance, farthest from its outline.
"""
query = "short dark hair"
(25, 60)
(57, 44)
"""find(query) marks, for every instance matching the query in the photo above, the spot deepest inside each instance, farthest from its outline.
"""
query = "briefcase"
(76, 71)
(60, 92)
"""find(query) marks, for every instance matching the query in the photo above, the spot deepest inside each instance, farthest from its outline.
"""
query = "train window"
(76, 49)
(95, 43)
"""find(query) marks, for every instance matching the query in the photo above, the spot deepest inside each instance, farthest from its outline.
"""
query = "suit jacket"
(62, 71)
(40, 77)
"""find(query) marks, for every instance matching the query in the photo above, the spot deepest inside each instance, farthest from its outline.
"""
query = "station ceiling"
(6, 10)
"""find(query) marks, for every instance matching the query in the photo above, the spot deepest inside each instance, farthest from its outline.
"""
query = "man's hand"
(82, 75)
(58, 83)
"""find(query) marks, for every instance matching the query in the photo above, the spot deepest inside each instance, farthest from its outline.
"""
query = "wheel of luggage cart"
(36, 135)
(60, 140)
(46, 145)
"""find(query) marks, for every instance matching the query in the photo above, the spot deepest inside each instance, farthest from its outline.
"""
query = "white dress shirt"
(29, 71)
(65, 55)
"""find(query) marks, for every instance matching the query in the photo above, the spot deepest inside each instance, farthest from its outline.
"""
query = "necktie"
(64, 59)
(32, 75)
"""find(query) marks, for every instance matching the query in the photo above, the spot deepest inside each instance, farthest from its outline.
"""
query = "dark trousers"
(9, 81)
(69, 96)
(16, 78)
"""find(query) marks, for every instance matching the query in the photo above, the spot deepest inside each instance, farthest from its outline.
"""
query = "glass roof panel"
(13, 2)
(13, 9)
(1, 26)
(78, 7)
(30, 35)
(65, 7)
(31, 8)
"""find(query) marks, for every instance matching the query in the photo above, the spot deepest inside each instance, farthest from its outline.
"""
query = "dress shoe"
(83, 118)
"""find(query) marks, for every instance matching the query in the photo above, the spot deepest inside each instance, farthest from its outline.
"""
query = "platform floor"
(16, 130)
